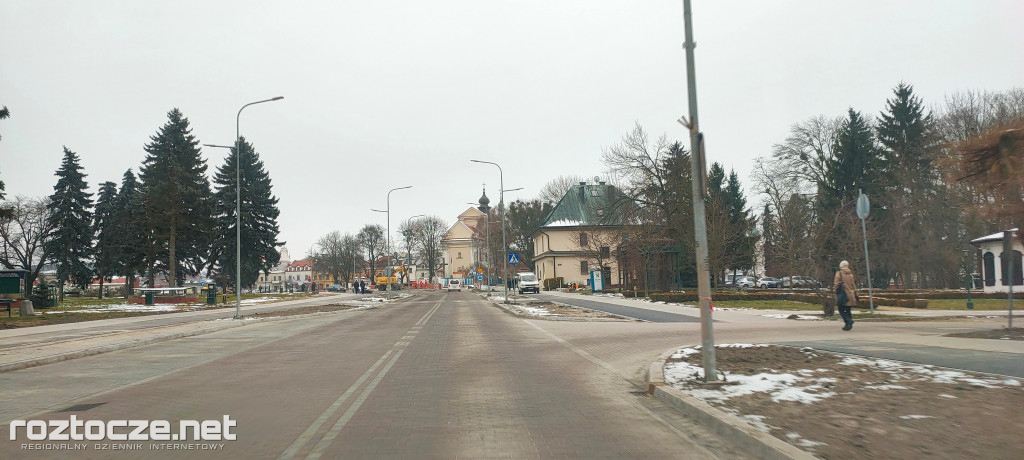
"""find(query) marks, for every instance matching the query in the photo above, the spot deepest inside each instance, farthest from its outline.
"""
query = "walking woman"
(844, 277)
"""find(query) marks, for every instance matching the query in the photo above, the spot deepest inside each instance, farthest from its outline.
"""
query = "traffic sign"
(863, 206)
(513, 259)
(479, 277)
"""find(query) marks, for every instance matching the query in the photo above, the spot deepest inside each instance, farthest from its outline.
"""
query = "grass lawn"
(979, 304)
(67, 311)
(767, 305)
(61, 318)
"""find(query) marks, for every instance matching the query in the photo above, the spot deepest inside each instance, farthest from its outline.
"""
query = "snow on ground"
(533, 310)
(804, 387)
(160, 307)
(787, 316)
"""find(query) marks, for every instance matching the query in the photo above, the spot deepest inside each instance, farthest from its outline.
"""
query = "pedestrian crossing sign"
(513, 259)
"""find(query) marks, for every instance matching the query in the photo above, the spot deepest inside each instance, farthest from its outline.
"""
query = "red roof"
(301, 263)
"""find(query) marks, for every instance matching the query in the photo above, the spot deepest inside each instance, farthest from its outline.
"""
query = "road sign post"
(863, 208)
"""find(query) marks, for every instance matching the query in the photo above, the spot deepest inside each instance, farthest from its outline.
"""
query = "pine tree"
(857, 163)
(69, 216)
(259, 217)
(741, 244)
(129, 219)
(906, 135)
(107, 233)
(178, 199)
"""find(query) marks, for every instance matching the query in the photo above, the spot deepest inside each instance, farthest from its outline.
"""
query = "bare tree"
(372, 242)
(22, 237)
(555, 189)
(431, 230)
(805, 154)
(328, 255)
(597, 245)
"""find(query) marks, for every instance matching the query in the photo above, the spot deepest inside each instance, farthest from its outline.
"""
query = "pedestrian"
(846, 293)
(362, 286)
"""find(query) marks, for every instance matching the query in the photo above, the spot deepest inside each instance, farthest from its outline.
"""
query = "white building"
(996, 263)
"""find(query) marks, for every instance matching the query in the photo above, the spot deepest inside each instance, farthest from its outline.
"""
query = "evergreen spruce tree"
(107, 233)
(129, 220)
(857, 163)
(259, 217)
(906, 136)
(178, 199)
(69, 216)
(742, 240)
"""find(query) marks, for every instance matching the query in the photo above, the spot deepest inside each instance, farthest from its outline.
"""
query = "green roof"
(586, 205)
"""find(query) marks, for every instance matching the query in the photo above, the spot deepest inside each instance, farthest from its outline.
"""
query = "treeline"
(908, 159)
(166, 221)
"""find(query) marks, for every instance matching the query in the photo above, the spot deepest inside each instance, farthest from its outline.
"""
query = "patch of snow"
(756, 421)
(943, 395)
(534, 311)
(785, 316)
(795, 438)
(915, 417)
(781, 387)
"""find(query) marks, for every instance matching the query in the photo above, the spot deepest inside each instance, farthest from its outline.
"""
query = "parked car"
(746, 281)
(336, 288)
(800, 282)
(766, 282)
(454, 285)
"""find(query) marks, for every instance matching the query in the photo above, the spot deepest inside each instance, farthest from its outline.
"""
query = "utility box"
(211, 294)
(596, 280)
(150, 296)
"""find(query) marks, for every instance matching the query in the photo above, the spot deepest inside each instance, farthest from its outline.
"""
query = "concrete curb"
(756, 442)
(552, 318)
(56, 358)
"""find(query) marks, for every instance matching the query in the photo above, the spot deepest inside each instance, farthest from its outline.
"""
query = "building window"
(606, 252)
(583, 239)
(1015, 259)
(583, 267)
(990, 269)
(460, 255)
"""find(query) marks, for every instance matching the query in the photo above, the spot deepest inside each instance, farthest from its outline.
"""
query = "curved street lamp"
(238, 202)
(501, 207)
(387, 294)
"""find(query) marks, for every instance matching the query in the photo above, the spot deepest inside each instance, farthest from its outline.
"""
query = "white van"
(528, 282)
(454, 285)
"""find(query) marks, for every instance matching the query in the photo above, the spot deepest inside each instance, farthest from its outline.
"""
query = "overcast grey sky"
(383, 94)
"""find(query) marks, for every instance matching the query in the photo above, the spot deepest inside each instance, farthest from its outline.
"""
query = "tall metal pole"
(501, 208)
(238, 204)
(387, 277)
(699, 188)
(862, 202)
(1009, 258)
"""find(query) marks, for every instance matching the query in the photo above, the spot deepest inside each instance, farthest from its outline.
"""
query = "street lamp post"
(501, 207)
(238, 202)
(387, 211)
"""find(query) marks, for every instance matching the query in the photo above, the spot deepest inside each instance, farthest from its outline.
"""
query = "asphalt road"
(979, 361)
(653, 316)
(436, 376)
